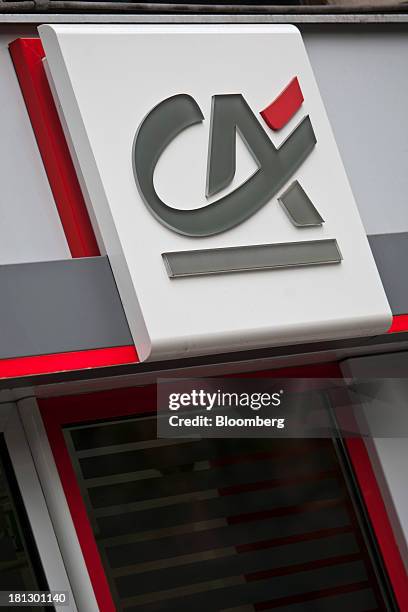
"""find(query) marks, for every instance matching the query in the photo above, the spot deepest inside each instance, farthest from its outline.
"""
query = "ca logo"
(229, 113)
(276, 166)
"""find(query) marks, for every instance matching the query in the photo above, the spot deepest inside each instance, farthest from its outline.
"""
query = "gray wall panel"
(60, 306)
(362, 75)
(391, 254)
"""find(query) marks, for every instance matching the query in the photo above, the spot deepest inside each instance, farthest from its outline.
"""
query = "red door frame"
(59, 411)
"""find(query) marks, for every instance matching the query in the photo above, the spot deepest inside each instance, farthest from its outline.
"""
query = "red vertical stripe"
(27, 55)
(79, 516)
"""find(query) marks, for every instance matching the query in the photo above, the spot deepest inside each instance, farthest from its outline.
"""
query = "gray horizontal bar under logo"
(254, 257)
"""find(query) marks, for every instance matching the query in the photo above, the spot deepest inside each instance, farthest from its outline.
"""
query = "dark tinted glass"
(20, 567)
(232, 525)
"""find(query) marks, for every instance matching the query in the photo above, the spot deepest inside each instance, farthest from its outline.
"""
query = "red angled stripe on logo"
(282, 109)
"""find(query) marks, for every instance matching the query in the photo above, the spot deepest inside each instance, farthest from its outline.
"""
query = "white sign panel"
(215, 186)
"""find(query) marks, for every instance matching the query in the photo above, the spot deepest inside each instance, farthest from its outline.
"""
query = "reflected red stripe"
(285, 105)
(285, 511)
(294, 599)
(303, 537)
(303, 447)
(302, 567)
(276, 482)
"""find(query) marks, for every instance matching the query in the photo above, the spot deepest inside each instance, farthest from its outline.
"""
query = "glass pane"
(232, 525)
(20, 568)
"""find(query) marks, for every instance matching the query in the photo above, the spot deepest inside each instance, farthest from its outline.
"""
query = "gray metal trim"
(60, 306)
(73, 305)
(318, 18)
(36, 507)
